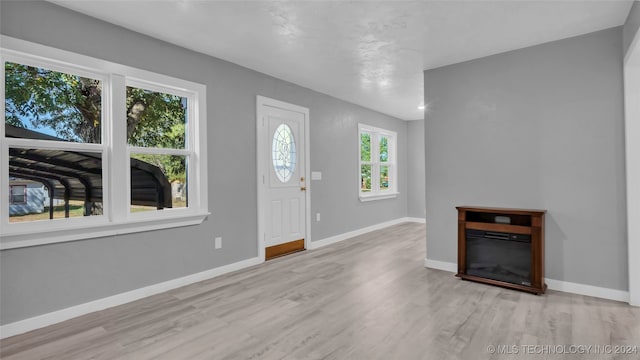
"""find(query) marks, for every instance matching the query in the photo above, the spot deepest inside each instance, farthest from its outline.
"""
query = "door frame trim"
(261, 173)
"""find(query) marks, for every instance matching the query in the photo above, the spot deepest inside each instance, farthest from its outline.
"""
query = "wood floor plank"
(365, 298)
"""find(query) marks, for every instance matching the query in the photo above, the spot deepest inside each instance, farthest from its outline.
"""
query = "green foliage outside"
(365, 155)
(69, 107)
(384, 149)
(365, 147)
(384, 177)
(384, 169)
(365, 178)
(155, 119)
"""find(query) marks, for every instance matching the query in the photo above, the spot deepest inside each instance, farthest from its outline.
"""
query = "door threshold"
(279, 250)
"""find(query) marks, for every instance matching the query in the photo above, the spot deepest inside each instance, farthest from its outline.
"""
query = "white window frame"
(376, 193)
(188, 152)
(115, 151)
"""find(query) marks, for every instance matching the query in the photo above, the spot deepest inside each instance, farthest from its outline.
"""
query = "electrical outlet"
(218, 243)
(317, 216)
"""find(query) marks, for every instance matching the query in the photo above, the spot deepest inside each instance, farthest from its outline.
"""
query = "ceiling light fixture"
(421, 107)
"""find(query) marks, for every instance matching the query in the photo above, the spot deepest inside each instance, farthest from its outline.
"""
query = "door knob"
(303, 188)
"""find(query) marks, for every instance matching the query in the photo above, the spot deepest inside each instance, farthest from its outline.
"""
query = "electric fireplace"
(503, 247)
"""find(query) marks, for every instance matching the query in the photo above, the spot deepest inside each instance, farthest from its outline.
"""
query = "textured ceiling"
(371, 53)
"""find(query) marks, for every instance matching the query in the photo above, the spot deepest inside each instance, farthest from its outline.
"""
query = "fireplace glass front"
(499, 256)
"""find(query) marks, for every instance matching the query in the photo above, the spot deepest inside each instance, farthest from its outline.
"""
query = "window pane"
(365, 147)
(156, 119)
(365, 178)
(384, 149)
(50, 184)
(283, 153)
(384, 177)
(50, 105)
(158, 182)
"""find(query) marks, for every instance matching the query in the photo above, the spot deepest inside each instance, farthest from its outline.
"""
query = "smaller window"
(377, 165)
(18, 194)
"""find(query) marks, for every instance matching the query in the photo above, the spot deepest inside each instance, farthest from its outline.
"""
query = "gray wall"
(42, 279)
(631, 26)
(540, 127)
(415, 169)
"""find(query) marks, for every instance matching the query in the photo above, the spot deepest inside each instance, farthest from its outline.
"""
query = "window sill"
(20, 240)
(373, 197)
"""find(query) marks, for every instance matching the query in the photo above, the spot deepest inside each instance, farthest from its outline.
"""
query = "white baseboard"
(589, 290)
(559, 285)
(51, 318)
(344, 236)
(440, 265)
(416, 220)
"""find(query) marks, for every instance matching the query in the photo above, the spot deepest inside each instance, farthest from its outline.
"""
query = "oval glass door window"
(284, 153)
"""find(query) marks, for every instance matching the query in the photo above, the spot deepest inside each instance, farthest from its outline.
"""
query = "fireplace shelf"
(503, 247)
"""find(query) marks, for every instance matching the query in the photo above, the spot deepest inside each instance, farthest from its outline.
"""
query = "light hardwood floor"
(365, 298)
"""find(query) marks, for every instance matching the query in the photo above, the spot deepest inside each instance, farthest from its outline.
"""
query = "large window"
(109, 148)
(377, 163)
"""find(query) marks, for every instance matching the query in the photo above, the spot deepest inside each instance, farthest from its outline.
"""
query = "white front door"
(282, 154)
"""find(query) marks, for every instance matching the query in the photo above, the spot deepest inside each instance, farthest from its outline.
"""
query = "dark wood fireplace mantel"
(506, 224)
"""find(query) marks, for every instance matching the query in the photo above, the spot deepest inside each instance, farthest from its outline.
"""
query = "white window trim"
(376, 193)
(116, 219)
